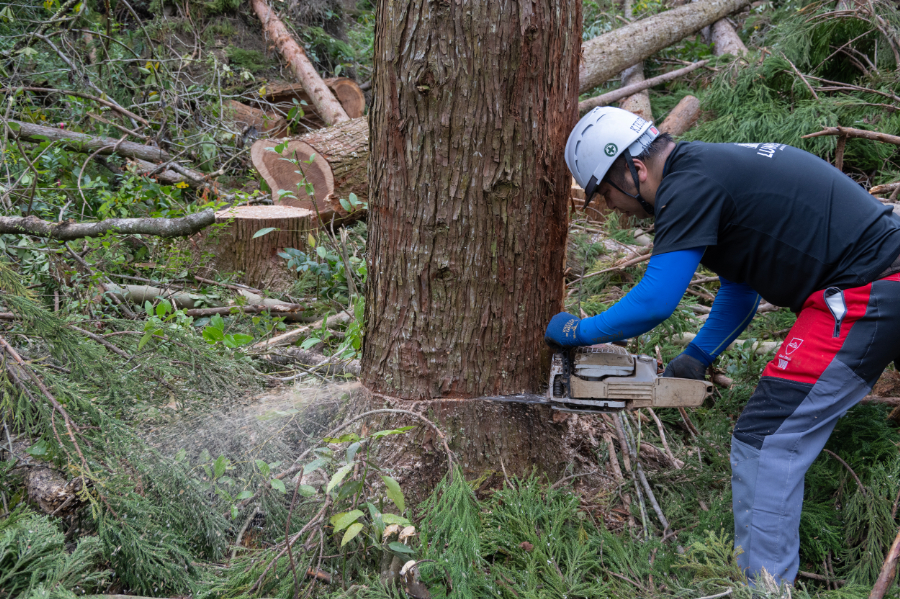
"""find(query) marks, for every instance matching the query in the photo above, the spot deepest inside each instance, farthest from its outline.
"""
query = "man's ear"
(642, 168)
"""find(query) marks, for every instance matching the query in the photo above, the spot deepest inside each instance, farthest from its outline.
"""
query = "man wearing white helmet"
(770, 220)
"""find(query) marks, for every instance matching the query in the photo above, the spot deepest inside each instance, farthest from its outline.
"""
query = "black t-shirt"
(779, 219)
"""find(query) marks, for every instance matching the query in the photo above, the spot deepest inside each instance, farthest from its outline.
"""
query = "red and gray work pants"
(841, 343)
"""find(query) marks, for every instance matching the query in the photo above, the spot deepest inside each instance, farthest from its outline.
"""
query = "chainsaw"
(606, 378)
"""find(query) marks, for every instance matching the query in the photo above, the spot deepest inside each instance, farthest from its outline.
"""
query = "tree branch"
(861, 133)
(628, 90)
(67, 231)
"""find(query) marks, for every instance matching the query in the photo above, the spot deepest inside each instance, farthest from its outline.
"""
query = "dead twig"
(857, 133)
(849, 469)
(888, 570)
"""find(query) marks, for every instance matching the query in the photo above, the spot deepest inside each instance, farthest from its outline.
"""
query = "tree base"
(491, 441)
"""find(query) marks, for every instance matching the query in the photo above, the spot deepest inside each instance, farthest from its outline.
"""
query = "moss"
(251, 60)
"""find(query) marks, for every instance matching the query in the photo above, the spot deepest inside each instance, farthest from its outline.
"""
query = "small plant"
(214, 333)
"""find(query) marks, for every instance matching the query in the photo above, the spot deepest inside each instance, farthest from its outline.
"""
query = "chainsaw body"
(606, 378)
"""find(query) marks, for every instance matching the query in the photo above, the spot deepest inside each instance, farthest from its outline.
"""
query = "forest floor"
(150, 452)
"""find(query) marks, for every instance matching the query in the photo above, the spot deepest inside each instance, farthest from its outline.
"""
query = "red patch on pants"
(811, 345)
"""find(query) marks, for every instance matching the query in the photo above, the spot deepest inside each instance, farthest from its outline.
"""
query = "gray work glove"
(686, 367)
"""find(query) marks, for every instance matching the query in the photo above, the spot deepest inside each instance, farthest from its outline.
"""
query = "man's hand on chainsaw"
(686, 367)
(563, 331)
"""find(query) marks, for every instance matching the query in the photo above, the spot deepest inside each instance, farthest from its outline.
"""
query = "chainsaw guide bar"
(606, 378)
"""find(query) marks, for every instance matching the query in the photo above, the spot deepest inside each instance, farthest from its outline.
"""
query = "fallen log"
(84, 143)
(140, 294)
(883, 189)
(624, 91)
(326, 104)
(291, 336)
(69, 230)
(338, 167)
(281, 97)
(888, 570)
(638, 103)
(315, 361)
(725, 39)
(610, 53)
(245, 117)
(682, 117)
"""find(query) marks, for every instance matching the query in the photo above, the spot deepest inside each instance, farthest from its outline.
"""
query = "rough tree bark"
(610, 53)
(326, 104)
(468, 191)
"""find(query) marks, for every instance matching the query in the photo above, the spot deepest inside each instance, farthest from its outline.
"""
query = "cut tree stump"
(338, 168)
(244, 117)
(237, 251)
(683, 117)
(281, 96)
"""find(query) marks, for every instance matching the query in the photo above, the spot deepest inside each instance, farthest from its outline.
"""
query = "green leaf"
(163, 308)
(240, 339)
(263, 468)
(399, 547)
(180, 455)
(13, 125)
(346, 205)
(38, 449)
(321, 251)
(345, 519)
(395, 519)
(351, 451)
(307, 491)
(310, 341)
(213, 335)
(144, 340)
(278, 485)
(219, 466)
(396, 431)
(342, 439)
(243, 495)
(353, 199)
(394, 493)
(317, 463)
(354, 530)
(339, 476)
(217, 322)
(262, 232)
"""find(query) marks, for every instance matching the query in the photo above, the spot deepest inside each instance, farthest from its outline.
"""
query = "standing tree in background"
(473, 103)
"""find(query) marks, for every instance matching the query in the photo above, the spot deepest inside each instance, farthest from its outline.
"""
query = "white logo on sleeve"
(753, 146)
(793, 346)
(782, 363)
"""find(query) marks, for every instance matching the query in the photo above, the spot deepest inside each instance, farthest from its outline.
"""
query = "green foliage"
(767, 101)
(251, 60)
(34, 561)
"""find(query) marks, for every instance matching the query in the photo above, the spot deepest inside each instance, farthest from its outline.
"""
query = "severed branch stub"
(67, 231)
(888, 571)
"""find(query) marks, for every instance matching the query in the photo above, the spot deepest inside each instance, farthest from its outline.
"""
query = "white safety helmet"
(600, 137)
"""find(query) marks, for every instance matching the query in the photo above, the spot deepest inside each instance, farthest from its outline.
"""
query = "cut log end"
(281, 174)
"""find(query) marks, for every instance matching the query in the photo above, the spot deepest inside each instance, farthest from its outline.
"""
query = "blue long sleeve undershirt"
(655, 298)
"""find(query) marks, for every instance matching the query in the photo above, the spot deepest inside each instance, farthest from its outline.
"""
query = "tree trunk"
(682, 117)
(338, 169)
(468, 191)
(725, 39)
(638, 103)
(326, 104)
(610, 53)
(237, 251)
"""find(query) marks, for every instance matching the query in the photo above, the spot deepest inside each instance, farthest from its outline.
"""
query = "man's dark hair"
(618, 172)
